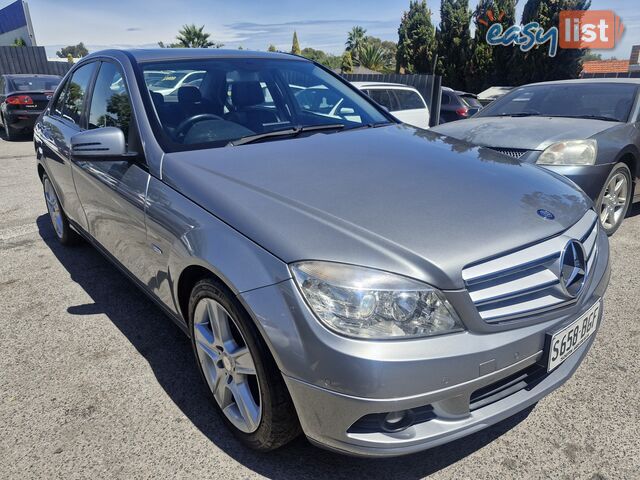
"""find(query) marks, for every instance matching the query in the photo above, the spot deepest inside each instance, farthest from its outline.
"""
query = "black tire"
(279, 422)
(9, 133)
(623, 169)
(64, 233)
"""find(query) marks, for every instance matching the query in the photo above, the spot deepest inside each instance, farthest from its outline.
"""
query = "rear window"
(409, 100)
(26, 84)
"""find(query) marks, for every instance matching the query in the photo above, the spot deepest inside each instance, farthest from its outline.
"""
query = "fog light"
(397, 421)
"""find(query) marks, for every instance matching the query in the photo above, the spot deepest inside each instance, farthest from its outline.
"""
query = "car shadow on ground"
(20, 137)
(168, 352)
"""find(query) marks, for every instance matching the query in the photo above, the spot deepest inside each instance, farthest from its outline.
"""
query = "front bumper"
(336, 381)
(590, 178)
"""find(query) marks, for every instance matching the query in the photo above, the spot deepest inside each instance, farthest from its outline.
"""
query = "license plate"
(565, 342)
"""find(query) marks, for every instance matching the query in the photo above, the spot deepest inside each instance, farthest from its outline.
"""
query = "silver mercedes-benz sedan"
(380, 288)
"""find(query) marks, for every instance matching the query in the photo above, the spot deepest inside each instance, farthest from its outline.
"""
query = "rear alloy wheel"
(615, 198)
(64, 232)
(243, 379)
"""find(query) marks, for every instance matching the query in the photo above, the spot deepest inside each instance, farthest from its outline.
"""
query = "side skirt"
(176, 319)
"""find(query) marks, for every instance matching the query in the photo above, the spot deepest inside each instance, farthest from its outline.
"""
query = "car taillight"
(463, 111)
(19, 100)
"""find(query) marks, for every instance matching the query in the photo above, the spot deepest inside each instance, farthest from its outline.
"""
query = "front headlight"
(366, 303)
(570, 152)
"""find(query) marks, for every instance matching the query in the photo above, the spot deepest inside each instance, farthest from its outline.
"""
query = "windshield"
(237, 98)
(24, 84)
(606, 101)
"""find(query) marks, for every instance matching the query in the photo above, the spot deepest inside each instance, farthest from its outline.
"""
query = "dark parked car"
(378, 287)
(587, 130)
(457, 105)
(22, 99)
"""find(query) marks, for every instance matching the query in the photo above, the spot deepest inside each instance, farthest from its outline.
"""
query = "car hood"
(393, 198)
(530, 133)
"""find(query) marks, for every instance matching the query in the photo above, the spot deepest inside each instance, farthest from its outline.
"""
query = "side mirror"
(107, 143)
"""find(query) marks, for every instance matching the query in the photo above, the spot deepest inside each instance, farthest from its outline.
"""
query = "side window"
(383, 97)
(446, 99)
(75, 93)
(56, 108)
(409, 100)
(110, 104)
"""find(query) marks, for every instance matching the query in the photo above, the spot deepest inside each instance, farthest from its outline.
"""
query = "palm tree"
(373, 57)
(355, 40)
(195, 37)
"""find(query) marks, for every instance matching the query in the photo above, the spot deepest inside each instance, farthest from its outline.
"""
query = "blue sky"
(252, 24)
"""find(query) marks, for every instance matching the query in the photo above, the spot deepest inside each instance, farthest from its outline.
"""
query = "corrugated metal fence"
(29, 60)
(427, 85)
(635, 74)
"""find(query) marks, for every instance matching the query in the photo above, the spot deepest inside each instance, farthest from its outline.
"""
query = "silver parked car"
(587, 130)
(378, 287)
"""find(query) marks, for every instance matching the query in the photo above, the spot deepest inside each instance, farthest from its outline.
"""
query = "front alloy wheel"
(64, 232)
(615, 198)
(228, 365)
(242, 376)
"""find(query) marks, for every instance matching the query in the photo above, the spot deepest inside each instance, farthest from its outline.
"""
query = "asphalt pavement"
(95, 382)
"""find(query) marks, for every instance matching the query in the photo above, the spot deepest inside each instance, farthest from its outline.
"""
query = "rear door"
(113, 192)
(58, 125)
(411, 107)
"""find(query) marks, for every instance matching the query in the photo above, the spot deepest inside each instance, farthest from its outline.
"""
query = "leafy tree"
(272, 48)
(454, 42)
(389, 50)
(373, 57)
(590, 56)
(69, 59)
(295, 45)
(539, 65)
(328, 60)
(416, 39)
(355, 40)
(346, 64)
(191, 36)
(491, 65)
(19, 42)
(76, 51)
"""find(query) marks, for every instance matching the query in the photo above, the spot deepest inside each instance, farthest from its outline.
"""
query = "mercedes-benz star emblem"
(573, 268)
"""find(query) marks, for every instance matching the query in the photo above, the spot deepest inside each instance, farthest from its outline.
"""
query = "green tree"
(272, 48)
(19, 42)
(590, 56)
(416, 39)
(76, 51)
(191, 36)
(373, 57)
(389, 51)
(454, 43)
(346, 64)
(481, 65)
(295, 44)
(326, 59)
(504, 58)
(539, 65)
(355, 40)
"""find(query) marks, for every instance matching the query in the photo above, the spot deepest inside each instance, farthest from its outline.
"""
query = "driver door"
(113, 193)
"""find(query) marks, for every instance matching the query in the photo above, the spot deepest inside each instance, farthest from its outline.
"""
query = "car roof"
(156, 54)
(634, 81)
(382, 85)
(29, 75)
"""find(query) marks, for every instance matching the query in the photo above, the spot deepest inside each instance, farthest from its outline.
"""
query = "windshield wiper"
(591, 117)
(519, 114)
(287, 132)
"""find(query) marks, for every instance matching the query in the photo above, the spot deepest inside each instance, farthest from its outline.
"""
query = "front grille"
(528, 281)
(512, 152)
(525, 379)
